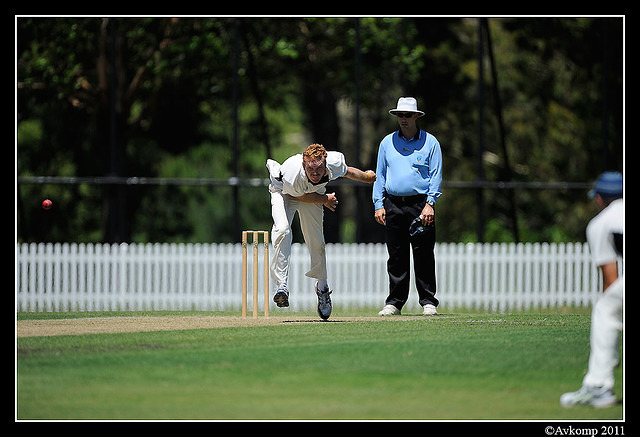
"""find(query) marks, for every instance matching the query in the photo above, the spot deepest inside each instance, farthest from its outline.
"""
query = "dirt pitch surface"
(111, 325)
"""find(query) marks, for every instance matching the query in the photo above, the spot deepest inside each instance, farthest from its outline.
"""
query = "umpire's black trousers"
(400, 211)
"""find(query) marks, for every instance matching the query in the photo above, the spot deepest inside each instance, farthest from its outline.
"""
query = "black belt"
(408, 199)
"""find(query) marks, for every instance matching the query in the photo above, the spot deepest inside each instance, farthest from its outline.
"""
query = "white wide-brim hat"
(406, 104)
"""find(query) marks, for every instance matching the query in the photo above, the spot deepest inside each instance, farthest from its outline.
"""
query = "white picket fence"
(207, 277)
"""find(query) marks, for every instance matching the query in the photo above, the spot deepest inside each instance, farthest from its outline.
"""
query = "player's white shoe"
(429, 310)
(597, 397)
(324, 303)
(389, 310)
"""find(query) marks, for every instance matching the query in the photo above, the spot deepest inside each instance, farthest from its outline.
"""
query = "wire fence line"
(264, 182)
(490, 277)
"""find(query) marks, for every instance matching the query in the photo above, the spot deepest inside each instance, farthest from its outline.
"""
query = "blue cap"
(609, 184)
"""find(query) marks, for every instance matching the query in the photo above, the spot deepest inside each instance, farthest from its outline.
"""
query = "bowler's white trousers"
(283, 208)
(606, 324)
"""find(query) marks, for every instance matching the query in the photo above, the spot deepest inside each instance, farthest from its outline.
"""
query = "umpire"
(409, 175)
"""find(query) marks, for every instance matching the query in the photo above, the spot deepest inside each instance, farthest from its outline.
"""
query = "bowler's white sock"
(323, 285)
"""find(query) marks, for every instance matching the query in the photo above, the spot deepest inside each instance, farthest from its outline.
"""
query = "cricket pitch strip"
(121, 324)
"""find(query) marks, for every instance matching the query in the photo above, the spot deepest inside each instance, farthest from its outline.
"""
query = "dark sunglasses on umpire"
(404, 114)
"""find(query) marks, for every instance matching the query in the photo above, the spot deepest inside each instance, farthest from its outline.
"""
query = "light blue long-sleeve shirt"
(408, 167)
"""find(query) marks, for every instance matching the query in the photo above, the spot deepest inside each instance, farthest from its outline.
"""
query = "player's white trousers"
(283, 209)
(606, 324)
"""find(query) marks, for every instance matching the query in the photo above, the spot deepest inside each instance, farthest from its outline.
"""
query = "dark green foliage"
(153, 97)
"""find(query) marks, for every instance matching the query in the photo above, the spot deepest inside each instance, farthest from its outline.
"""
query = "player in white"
(299, 185)
(604, 235)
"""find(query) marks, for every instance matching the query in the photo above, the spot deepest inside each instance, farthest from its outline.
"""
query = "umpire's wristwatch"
(430, 203)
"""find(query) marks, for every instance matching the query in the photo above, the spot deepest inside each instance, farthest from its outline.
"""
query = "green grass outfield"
(446, 367)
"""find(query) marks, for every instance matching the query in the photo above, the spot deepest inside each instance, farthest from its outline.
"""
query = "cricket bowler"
(298, 185)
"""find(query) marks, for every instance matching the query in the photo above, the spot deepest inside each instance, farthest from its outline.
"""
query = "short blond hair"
(314, 152)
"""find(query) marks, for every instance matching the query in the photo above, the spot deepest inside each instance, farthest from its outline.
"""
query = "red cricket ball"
(47, 204)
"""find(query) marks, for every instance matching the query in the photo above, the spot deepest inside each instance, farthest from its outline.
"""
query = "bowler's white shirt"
(295, 181)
